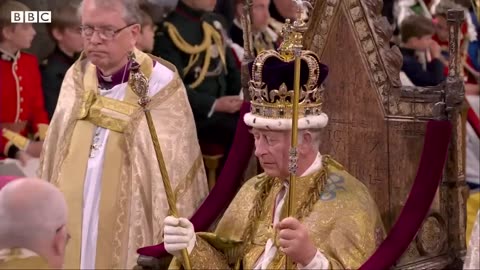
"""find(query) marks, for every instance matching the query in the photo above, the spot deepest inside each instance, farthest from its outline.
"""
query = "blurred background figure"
(33, 216)
(146, 39)
(468, 36)
(281, 10)
(23, 119)
(264, 37)
(65, 31)
(192, 38)
(422, 62)
(472, 260)
(226, 8)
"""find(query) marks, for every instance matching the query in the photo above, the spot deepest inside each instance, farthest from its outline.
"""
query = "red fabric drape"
(429, 174)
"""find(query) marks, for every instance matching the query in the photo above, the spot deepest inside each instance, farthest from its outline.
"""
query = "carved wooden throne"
(377, 128)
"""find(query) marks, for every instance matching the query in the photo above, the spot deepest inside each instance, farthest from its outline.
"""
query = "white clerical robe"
(160, 77)
(472, 260)
(319, 261)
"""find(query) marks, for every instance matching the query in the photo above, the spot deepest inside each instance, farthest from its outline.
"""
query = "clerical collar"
(190, 13)
(119, 77)
(6, 56)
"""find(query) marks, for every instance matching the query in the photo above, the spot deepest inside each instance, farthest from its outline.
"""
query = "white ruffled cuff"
(191, 244)
(319, 262)
(212, 110)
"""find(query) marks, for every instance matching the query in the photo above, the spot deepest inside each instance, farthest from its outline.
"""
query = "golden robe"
(342, 218)
(17, 261)
(133, 204)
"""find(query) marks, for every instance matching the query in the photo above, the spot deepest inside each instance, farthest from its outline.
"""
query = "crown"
(271, 86)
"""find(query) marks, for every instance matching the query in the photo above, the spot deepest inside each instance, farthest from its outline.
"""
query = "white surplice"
(472, 260)
(160, 77)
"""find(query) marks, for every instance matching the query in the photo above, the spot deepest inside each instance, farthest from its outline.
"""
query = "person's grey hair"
(32, 218)
(315, 133)
(131, 9)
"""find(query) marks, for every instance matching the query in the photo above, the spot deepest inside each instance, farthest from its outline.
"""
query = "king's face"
(271, 149)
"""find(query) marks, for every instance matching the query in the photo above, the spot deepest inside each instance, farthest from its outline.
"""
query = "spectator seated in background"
(280, 10)
(468, 36)
(146, 39)
(191, 39)
(416, 32)
(65, 31)
(264, 37)
(33, 216)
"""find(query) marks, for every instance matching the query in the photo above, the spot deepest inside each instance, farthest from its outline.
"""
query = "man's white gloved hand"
(178, 234)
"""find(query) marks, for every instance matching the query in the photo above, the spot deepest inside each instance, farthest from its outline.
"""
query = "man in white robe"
(99, 150)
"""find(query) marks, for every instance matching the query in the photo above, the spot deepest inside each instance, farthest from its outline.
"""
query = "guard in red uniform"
(23, 119)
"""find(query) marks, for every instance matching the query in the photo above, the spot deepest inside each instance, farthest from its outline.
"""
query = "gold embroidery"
(210, 34)
(107, 112)
(189, 178)
(7, 148)
(342, 228)
(103, 116)
(42, 131)
(16, 139)
(305, 201)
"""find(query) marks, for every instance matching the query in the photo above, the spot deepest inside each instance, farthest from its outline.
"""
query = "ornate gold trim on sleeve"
(42, 132)
(7, 148)
(16, 139)
(205, 256)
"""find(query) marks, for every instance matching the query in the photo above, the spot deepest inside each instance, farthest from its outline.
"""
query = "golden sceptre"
(248, 54)
(139, 85)
(296, 39)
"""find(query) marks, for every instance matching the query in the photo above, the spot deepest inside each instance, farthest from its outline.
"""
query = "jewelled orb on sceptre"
(292, 33)
(286, 48)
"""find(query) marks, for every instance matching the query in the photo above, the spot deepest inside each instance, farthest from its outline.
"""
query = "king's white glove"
(178, 234)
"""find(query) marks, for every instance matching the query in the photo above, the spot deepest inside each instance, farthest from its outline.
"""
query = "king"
(101, 152)
(320, 217)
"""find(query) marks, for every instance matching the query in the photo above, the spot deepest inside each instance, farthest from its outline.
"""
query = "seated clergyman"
(335, 222)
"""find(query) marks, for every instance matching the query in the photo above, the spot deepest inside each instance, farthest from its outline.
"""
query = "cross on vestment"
(96, 144)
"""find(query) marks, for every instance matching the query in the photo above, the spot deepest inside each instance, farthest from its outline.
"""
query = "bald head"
(32, 212)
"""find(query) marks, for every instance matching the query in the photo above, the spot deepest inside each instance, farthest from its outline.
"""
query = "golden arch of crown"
(277, 103)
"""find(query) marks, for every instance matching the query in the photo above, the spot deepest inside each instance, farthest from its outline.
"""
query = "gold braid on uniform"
(265, 185)
(210, 35)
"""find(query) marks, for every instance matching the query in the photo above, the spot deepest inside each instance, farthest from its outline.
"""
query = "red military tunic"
(22, 112)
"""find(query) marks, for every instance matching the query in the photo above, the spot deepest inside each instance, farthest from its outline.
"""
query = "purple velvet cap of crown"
(276, 72)
(271, 88)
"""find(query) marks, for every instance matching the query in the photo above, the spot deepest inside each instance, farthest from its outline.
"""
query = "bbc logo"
(31, 17)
